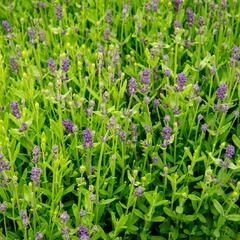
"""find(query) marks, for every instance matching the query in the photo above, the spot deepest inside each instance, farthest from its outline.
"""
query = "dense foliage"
(119, 119)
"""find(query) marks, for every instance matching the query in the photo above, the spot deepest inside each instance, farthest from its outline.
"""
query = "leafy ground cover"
(119, 119)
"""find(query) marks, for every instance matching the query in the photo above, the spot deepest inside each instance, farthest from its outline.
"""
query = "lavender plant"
(119, 119)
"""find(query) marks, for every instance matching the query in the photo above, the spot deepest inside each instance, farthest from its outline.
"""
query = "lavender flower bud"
(64, 217)
(138, 191)
(65, 64)
(181, 79)
(132, 85)
(109, 16)
(230, 150)
(145, 76)
(38, 236)
(87, 138)
(221, 91)
(204, 127)
(6, 26)
(58, 12)
(52, 65)
(23, 215)
(191, 17)
(69, 126)
(13, 64)
(166, 133)
(3, 207)
(23, 127)
(83, 233)
(35, 175)
(15, 109)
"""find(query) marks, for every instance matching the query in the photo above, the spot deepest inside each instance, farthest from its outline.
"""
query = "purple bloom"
(106, 33)
(166, 133)
(23, 215)
(38, 236)
(52, 65)
(36, 154)
(145, 76)
(167, 72)
(13, 64)
(191, 17)
(83, 233)
(200, 117)
(64, 217)
(138, 191)
(221, 91)
(58, 12)
(69, 126)
(147, 100)
(3, 207)
(55, 151)
(109, 16)
(123, 135)
(213, 70)
(204, 127)
(181, 79)
(156, 103)
(65, 233)
(224, 107)
(23, 127)
(31, 35)
(35, 175)
(87, 138)
(42, 35)
(82, 213)
(6, 26)
(167, 118)
(177, 4)
(200, 21)
(176, 24)
(132, 85)
(15, 109)
(125, 9)
(65, 64)
(230, 150)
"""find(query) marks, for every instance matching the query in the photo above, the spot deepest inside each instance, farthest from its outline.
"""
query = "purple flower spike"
(145, 76)
(181, 79)
(64, 217)
(138, 191)
(58, 12)
(230, 150)
(221, 91)
(35, 175)
(38, 236)
(83, 233)
(69, 126)
(65, 64)
(52, 65)
(15, 109)
(24, 216)
(6, 26)
(87, 138)
(166, 133)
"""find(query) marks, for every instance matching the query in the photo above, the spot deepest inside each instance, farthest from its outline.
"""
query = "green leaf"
(162, 202)
(169, 212)
(193, 197)
(236, 140)
(218, 206)
(158, 219)
(187, 218)
(224, 128)
(138, 213)
(233, 217)
(107, 201)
